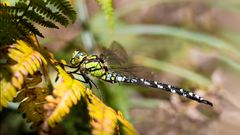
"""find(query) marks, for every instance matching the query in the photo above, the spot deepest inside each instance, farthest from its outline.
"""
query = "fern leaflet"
(67, 93)
(28, 61)
(7, 90)
(104, 120)
(32, 104)
(18, 20)
(125, 125)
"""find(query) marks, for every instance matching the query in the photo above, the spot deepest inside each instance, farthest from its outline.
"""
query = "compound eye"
(81, 54)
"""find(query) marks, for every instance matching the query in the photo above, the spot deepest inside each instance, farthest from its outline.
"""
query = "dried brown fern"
(32, 106)
(32, 99)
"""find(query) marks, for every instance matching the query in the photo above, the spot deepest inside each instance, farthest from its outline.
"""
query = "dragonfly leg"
(57, 77)
(87, 80)
(62, 65)
(83, 81)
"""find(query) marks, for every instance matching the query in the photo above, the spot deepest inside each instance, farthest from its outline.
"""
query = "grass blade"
(167, 67)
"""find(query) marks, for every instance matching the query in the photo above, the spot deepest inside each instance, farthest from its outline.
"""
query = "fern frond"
(66, 93)
(125, 125)
(26, 27)
(9, 31)
(107, 8)
(41, 7)
(32, 105)
(17, 21)
(28, 61)
(32, 15)
(14, 9)
(103, 118)
(7, 90)
(30, 81)
(10, 27)
(65, 7)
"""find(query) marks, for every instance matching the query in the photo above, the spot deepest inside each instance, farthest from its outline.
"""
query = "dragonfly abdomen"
(115, 77)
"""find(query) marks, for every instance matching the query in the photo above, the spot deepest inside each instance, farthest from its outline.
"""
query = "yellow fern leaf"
(127, 127)
(7, 92)
(5, 3)
(107, 8)
(28, 61)
(67, 93)
(103, 118)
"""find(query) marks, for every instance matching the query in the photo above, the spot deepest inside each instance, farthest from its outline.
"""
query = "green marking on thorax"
(95, 66)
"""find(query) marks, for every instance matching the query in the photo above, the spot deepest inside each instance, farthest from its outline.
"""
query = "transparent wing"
(117, 60)
(115, 54)
(134, 71)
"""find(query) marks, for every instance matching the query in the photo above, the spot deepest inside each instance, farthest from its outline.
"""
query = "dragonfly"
(99, 66)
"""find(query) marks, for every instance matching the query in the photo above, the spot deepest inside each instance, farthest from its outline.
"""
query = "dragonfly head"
(77, 57)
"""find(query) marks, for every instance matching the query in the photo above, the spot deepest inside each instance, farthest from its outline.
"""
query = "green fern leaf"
(26, 27)
(65, 7)
(42, 8)
(32, 15)
(15, 9)
(107, 9)
(17, 21)
(9, 31)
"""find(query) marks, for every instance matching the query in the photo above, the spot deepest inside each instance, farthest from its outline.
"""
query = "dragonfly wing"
(115, 54)
(135, 71)
(117, 59)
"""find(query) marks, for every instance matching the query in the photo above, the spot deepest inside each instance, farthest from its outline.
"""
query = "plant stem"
(86, 35)
(45, 70)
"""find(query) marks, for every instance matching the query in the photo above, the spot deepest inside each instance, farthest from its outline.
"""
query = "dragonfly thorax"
(77, 57)
(89, 64)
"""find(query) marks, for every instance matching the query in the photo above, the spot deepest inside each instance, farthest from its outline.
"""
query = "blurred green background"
(193, 44)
